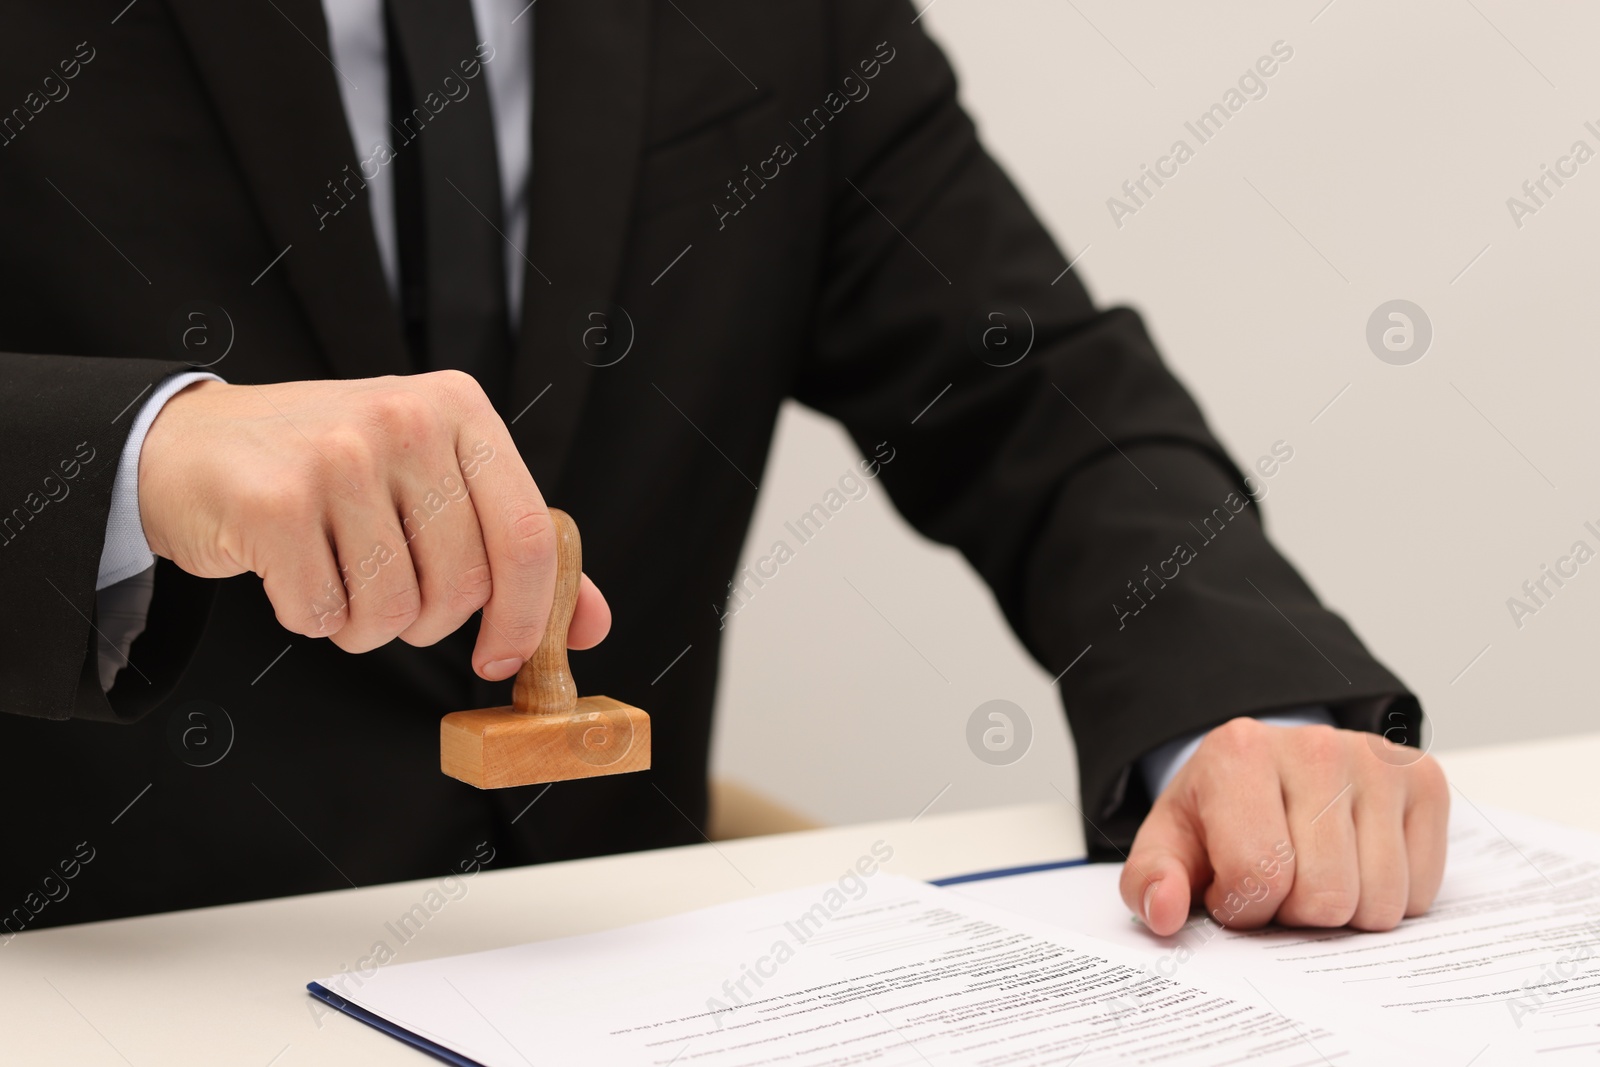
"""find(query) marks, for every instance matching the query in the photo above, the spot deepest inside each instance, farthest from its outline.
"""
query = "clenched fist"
(373, 509)
(1310, 825)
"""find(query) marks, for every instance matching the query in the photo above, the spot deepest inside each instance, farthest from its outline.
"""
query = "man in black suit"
(444, 261)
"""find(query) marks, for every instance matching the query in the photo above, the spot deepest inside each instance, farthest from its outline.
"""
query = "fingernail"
(499, 669)
(1149, 895)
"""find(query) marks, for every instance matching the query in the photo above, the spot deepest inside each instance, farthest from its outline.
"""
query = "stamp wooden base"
(493, 748)
(548, 733)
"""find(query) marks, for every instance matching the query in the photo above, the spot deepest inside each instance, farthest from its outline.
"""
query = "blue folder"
(433, 1048)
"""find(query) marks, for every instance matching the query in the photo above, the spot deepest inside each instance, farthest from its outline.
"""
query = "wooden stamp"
(549, 733)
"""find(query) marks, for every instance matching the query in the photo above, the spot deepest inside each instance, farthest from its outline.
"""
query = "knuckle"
(404, 413)
(1251, 884)
(1321, 745)
(470, 590)
(1382, 913)
(1420, 900)
(348, 640)
(349, 450)
(459, 386)
(325, 623)
(1322, 907)
(316, 617)
(524, 637)
(1231, 904)
(530, 535)
(1241, 737)
(397, 608)
(282, 496)
(298, 621)
(1430, 783)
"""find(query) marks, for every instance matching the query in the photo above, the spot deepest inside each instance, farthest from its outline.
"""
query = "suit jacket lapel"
(590, 81)
(279, 102)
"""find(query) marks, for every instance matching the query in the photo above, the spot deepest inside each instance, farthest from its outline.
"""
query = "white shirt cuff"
(126, 551)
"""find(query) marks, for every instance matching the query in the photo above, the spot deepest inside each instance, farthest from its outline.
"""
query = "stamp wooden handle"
(544, 685)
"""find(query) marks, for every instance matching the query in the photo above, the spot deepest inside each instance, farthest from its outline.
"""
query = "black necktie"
(447, 192)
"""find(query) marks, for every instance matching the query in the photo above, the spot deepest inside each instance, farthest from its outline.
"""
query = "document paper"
(1505, 966)
(903, 975)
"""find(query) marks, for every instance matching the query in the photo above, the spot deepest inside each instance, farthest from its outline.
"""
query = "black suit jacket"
(833, 237)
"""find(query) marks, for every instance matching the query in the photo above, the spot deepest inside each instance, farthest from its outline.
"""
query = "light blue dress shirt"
(360, 58)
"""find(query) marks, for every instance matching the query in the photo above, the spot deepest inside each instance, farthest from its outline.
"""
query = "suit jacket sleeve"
(63, 423)
(1063, 476)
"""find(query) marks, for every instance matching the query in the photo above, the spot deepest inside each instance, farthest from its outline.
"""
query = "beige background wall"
(1377, 166)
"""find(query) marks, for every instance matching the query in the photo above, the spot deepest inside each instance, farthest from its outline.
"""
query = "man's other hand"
(373, 509)
(1308, 825)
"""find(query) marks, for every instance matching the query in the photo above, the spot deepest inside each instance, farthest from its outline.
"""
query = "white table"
(226, 985)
